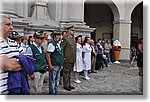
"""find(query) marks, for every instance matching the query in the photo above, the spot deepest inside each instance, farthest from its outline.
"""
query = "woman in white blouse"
(78, 66)
(87, 57)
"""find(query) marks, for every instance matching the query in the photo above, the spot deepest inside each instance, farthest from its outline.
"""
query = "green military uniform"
(40, 58)
(69, 50)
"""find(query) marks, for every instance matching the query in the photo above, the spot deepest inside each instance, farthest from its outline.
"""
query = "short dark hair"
(80, 35)
(77, 38)
(63, 32)
(99, 39)
(85, 40)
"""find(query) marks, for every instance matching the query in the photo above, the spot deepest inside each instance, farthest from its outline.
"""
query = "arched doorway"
(101, 16)
(137, 24)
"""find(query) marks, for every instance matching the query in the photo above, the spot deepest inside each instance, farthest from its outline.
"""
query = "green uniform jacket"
(69, 49)
(56, 56)
(40, 58)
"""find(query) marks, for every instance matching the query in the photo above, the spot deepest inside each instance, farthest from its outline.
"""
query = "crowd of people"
(26, 58)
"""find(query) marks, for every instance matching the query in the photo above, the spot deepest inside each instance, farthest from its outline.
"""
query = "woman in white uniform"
(78, 66)
(87, 56)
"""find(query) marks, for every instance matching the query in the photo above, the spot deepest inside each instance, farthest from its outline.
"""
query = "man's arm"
(63, 45)
(9, 64)
(48, 58)
(50, 49)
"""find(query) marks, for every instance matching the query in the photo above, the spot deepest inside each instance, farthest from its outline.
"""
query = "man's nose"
(11, 27)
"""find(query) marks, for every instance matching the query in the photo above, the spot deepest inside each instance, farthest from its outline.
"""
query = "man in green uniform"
(37, 51)
(69, 50)
(55, 60)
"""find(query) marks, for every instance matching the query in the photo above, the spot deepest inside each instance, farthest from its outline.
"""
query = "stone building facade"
(117, 19)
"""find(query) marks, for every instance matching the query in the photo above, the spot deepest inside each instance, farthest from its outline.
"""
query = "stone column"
(73, 11)
(40, 9)
(73, 14)
(76, 12)
(122, 32)
(40, 19)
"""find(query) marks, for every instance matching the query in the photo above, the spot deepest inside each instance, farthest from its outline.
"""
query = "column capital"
(122, 22)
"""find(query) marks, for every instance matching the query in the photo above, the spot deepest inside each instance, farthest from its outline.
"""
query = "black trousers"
(99, 62)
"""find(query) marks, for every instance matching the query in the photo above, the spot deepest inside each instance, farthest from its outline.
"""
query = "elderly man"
(37, 51)
(8, 49)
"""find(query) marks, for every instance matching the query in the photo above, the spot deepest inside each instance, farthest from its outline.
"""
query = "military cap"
(70, 27)
(54, 33)
(38, 35)
(14, 35)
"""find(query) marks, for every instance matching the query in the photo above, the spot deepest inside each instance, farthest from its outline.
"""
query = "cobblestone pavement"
(117, 79)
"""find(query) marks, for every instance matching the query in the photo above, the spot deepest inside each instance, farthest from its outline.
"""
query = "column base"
(81, 28)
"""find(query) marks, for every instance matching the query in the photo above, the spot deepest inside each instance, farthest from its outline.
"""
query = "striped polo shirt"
(10, 48)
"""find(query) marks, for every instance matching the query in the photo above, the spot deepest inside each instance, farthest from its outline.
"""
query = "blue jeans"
(54, 77)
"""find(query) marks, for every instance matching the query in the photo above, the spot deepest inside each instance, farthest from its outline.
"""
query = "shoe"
(77, 81)
(87, 78)
(68, 89)
(117, 62)
(71, 87)
(93, 72)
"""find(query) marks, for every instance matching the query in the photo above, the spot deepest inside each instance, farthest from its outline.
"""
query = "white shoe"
(77, 81)
(87, 78)
(117, 62)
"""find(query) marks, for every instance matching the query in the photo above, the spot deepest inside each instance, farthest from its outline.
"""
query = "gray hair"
(2, 17)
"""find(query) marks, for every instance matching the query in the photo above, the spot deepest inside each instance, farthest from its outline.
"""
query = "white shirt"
(24, 47)
(51, 47)
(38, 47)
(78, 66)
(87, 56)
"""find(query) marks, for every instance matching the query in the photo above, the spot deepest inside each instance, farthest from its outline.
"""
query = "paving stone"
(117, 79)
